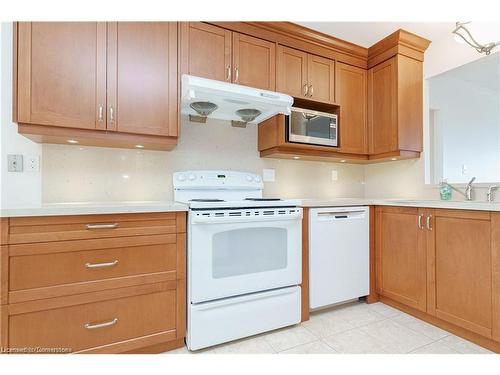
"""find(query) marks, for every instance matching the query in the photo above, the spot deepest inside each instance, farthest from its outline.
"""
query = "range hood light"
(248, 114)
(204, 108)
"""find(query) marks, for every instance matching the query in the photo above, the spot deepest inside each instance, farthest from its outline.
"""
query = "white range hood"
(202, 93)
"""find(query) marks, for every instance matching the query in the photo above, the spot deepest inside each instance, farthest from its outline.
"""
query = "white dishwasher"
(339, 247)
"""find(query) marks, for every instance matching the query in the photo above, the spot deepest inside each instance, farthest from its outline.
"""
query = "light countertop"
(93, 208)
(460, 205)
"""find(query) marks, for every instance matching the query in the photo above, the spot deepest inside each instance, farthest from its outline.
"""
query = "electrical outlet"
(268, 175)
(335, 175)
(32, 163)
(14, 163)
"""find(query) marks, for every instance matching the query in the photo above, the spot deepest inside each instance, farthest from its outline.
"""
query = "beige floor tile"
(327, 324)
(252, 345)
(288, 338)
(395, 337)
(315, 347)
(463, 346)
(356, 341)
(435, 348)
(358, 315)
(420, 326)
(384, 310)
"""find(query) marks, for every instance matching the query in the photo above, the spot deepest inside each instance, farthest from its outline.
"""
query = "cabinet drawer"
(83, 261)
(61, 228)
(94, 324)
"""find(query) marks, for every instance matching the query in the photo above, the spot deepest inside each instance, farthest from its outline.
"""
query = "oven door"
(235, 252)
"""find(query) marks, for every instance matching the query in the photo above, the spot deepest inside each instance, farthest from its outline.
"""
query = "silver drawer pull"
(102, 226)
(101, 325)
(101, 265)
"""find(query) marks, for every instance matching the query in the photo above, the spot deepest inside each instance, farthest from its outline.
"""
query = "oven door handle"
(243, 219)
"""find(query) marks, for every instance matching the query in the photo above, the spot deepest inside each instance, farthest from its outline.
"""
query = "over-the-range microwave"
(312, 127)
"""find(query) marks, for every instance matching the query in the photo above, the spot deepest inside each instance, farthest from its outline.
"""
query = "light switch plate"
(268, 175)
(14, 163)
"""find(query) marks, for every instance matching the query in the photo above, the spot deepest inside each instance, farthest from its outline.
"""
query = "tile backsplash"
(75, 173)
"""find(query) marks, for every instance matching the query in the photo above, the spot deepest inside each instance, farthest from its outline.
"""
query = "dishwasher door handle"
(342, 214)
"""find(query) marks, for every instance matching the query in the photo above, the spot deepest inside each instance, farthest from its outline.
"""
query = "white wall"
(17, 189)
(73, 173)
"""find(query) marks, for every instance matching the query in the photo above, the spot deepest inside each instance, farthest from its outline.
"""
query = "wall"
(73, 173)
(17, 189)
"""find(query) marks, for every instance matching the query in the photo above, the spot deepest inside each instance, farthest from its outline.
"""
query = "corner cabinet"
(96, 83)
(444, 265)
(395, 96)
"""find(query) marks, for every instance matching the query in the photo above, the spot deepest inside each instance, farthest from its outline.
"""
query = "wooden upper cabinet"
(321, 78)
(303, 75)
(254, 62)
(382, 91)
(61, 74)
(460, 274)
(207, 51)
(401, 256)
(142, 78)
(350, 94)
(292, 72)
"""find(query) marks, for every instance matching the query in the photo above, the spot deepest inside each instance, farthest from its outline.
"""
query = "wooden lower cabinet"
(400, 256)
(460, 269)
(102, 291)
(443, 263)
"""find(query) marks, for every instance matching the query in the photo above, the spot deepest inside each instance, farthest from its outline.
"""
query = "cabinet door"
(61, 74)
(207, 51)
(142, 77)
(495, 258)
(382, 107)
(292, 72)
(350, 93)
(401, 256)
(321, 78)
(254, 62)
(460, 275)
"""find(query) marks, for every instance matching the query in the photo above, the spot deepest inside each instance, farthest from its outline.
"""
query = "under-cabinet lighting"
(296, 157)
(139, 146)
(342, 161)
(393, 159)
(72, 141)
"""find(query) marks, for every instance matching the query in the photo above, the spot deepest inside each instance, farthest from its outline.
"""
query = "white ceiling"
(368, 33)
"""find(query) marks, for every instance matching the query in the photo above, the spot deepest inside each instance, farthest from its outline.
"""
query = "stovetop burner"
(207, 200)
(263, 199)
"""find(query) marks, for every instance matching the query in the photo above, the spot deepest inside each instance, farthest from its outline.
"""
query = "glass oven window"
(248, 251)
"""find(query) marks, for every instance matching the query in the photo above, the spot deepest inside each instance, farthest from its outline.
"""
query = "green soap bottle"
(445, 190)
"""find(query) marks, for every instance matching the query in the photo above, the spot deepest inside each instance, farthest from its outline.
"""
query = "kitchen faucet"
(468, 189)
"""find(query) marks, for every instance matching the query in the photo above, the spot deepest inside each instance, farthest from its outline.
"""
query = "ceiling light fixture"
(463, 34)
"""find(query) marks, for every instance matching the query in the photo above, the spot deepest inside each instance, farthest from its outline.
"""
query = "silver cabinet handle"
(101, 265)
(429, 227)
(101, 114)
(311, 91)
(420, 221)
(111, 114)
(101, 325)
(228, 73)
(236, 75)
(306, 90)
(102, 226)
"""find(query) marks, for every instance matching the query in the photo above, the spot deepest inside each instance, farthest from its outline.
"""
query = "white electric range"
(244, 257)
